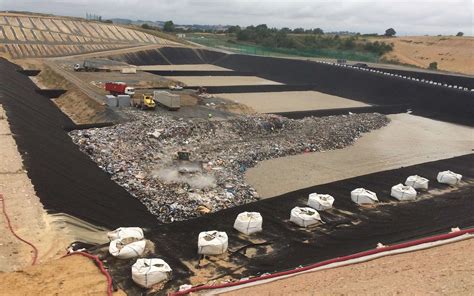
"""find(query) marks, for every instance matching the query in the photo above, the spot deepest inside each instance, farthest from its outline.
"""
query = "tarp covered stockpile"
(65, 179)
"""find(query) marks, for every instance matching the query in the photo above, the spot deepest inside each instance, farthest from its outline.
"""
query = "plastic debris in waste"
(304, 216)
(417, 182)
(127, 248)
(320, 202)
(363, 196)
(248, 222)
(147, 272)
(212, 242)
(448, 177)
(403, 192)
(124, 232)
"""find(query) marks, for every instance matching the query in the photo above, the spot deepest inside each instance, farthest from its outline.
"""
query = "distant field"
(47, 36)
(454, 54)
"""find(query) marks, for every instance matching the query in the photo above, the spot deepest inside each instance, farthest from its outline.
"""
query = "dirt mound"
(44, 36)
(73, 275)
(451, 53)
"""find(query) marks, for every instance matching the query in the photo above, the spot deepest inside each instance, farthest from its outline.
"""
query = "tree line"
(312, 39)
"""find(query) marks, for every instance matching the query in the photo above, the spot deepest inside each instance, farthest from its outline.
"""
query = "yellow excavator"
(144, 102)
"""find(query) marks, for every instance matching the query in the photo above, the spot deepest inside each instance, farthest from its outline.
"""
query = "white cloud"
(407, 17)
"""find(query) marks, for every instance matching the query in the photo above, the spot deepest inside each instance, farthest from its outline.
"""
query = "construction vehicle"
(144, 102)
(119, 88)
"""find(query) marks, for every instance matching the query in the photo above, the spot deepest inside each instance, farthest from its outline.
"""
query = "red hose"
(330, 261)
(4, 210)
(101, 267)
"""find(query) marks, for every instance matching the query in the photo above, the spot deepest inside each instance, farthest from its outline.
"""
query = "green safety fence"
(274, 51)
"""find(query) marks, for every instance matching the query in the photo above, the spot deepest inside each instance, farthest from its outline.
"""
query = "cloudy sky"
(413, 17)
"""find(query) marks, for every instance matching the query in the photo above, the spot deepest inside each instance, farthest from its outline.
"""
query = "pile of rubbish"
(141, 155)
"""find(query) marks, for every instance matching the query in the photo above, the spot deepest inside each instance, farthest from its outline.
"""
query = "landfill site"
(137, 165)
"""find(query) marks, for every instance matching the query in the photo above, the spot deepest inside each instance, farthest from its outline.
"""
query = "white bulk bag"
(363, 196)
(402, 192)
(120, 249)
(148, 272)
(212, 242)
(248, 222)
(448, 177)
(417, 182)
(304, 216)
(124, 232)
(320, 202)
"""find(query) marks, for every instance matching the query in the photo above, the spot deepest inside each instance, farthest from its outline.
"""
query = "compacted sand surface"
(74, 275)
(267, 102)
(222, 80)
(407, 140)
(444, 270)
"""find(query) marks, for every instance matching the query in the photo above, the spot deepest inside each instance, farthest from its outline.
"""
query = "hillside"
(454, 54)
(47, 36)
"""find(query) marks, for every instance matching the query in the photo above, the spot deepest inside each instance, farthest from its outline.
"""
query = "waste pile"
(141, 155)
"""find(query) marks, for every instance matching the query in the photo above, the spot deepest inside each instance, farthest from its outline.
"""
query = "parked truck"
(119, 88)
(144, 102)
(168, 100)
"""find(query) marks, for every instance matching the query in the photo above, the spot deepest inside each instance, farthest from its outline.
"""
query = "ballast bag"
(212, 242)
(320, 202)
(304, 216)
(417, 182)
(127, 248)
(148, 272)
(248, 222)
(124, 232)
(448, 177)
(363, 196)
(402, 192)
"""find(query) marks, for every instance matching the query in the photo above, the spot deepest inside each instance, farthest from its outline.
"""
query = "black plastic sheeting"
(200, 73)
(65, 179)
(387, 109)
(140, 58)
(347, 228)
(377, 89)
(170, 55)
(449, 79)
(51, 93)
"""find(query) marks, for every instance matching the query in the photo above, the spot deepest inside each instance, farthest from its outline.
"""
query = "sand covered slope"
(43, 36)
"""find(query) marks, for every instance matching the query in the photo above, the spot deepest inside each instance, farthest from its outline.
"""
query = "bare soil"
(454, 54)
(444, 270)
(73, 275)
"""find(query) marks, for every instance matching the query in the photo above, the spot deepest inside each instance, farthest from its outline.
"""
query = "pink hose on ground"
(10, 227)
